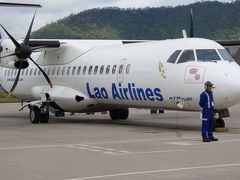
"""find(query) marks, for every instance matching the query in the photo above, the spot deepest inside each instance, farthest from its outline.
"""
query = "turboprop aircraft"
(85, 76)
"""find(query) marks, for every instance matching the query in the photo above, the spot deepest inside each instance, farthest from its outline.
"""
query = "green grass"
(5, 99)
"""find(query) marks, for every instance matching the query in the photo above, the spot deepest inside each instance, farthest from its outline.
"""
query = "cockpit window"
(207, 55)
(174, 56)
(187, 55)
(225, 55)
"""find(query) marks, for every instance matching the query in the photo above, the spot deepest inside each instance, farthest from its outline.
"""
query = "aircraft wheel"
(44, 118)
(114, 114)
(219, 123)
(34, 115)
(117, 114)
(124, 113)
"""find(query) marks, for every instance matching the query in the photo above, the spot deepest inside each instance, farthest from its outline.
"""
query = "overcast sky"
(17, 20)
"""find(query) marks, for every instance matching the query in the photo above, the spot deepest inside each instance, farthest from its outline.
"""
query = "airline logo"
(194, 74)
(129, 92)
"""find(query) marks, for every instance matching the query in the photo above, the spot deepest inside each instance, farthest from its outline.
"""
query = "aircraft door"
(121, 70)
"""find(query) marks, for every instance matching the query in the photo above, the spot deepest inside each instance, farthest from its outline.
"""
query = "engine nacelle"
(66, 98)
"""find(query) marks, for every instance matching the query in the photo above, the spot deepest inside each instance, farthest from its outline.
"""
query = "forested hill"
(213, 20)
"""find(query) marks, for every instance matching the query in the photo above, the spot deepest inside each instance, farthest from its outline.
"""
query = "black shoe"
(206, 140)
(214, 139)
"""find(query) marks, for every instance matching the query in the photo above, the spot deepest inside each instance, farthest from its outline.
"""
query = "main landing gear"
(119, 114)
(219, 122)
(39, 115)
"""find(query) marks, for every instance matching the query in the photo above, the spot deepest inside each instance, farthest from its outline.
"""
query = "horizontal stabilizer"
(5, 4)
(229, 43)
(48, 44)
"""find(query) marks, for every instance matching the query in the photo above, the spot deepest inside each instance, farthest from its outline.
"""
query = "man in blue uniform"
(207, 104)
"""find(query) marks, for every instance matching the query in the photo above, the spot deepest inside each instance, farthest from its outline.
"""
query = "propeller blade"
(44, 74)
(8, 55)
(19, 5)
(10, 36)
(26, 40)
(192, 25)
(15, 82)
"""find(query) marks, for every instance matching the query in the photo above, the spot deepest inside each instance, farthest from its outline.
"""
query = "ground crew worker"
(207, 104)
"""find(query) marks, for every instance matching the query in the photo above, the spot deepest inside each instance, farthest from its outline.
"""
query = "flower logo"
(162, 70)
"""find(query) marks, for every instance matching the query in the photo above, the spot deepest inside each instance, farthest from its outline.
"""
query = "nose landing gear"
(219, 123)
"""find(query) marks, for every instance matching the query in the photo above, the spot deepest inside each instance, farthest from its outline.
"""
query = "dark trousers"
(207, 128)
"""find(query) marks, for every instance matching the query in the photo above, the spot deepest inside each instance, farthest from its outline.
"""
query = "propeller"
(23, 52)
(191, 25)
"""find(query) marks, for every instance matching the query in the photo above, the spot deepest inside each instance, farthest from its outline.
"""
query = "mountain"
(214, 20)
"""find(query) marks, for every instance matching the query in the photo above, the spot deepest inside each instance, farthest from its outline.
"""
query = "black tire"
(44, 118)
(161, 111)
(220, 123)
(123, 113)
(114, 114)
(34, 115)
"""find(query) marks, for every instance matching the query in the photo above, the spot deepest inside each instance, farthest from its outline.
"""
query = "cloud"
(17, 20)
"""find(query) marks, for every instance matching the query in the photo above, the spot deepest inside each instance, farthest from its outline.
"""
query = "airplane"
(84, 76)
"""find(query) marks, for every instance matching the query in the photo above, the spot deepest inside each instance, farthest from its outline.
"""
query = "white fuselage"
(151, 82)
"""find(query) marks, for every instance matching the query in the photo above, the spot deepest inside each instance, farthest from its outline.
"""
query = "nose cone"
(229, 88)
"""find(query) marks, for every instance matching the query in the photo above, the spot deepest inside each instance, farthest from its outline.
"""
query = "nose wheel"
(219, 123)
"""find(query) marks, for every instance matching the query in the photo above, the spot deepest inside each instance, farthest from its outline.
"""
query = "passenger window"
(53, 71)
(207, 55)
(225, 55)
(12, 72)
(68, 70)
(23, 72)
(58, 71)
(35, 71)
(174, 56)
(5, 73)
(73, 71)
(79, 70)
(8, 72)
(101, 69)
(16, 72)
(108, 69)
(31, 72)
(63, 71)
(128, 69)
(114, 69)
(27, 72)
(186, 56)
(90, 70)
(96, 70)
(39, 72)
(49, 71)
(84, 69)
(120, 71)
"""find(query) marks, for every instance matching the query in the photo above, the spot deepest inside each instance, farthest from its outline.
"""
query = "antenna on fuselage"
(191, 33)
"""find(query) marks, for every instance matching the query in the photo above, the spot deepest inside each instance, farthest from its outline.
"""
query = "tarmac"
(93, 147)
